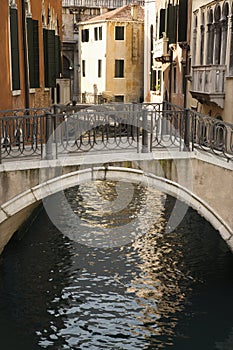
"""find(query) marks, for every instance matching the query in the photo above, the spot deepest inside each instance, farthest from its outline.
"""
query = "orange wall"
(40, 97)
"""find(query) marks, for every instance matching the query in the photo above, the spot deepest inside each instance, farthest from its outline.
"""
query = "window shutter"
(182, 18)
(14, 49)
(172, 23)
(57, 56)
(36, 54)
(45, 41)
(33, 52)
(49, 58)
(162, 23)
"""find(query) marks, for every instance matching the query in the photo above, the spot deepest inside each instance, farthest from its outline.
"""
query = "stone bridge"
(149, 151)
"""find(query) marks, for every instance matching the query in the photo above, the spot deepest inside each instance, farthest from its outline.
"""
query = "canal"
(98, 267)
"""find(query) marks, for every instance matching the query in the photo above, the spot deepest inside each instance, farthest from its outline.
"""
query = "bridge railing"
(22, 132)
(211, 135)
(64, 130)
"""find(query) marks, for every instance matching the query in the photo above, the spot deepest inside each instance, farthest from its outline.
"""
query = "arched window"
(202, 30)
(66, 67)
(194, 39)
(225, 15)
(210, 37)
(218, 35)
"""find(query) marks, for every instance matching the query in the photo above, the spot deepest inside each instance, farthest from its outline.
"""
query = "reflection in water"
(159, 291)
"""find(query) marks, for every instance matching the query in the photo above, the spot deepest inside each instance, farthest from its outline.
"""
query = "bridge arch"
(62, 182)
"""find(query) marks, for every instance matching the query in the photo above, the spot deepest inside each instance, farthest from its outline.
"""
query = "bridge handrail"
(145, 126)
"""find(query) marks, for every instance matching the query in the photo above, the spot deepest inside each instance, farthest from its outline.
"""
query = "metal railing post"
(186, 129)
(48, 146)
(55, 116)
(144, 132)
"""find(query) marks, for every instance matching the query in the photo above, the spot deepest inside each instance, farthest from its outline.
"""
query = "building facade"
(167, 50)
(30, 52)
(111, 56)
(73, 12)
(211, 86)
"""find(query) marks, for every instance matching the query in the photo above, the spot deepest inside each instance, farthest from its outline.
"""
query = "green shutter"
(49, 58)
(182, 17)
(172, 23)
(45, 41)
(14, 49)
(162, 22)
(30, 52)
(36, 54)
(57, 56)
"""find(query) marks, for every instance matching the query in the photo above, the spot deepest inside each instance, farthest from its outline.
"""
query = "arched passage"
(60, 183)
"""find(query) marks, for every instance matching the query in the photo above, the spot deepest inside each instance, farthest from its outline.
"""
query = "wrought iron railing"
(98, 3)
(212, 135)
(66, 130)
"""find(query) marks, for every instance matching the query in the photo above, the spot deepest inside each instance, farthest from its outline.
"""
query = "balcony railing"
(160, 49)
(209, 81)
(98, 3)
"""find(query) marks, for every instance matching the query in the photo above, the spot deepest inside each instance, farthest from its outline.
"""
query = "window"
(99, 68)
(83, 68)
(52, 57)
(85, 35)
(119, 98)
(98, 33)
(119, 68)
(119, 33)
(14, 49)
(33, 52)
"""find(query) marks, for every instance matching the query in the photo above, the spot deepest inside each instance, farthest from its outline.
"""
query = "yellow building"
(111, 56)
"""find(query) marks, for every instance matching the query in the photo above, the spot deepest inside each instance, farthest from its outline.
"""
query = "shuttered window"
(57, 56)
(14, 49)
(172, 23)
(33, 52)
(162, 22)
(182, 18)
(52, 57)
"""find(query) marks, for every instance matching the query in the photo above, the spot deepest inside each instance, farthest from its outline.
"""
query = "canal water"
(69, 284)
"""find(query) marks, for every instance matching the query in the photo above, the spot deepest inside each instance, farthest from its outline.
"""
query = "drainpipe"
(26, 76)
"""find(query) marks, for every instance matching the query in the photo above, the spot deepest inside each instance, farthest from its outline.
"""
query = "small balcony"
(208, 84)
(160, 50)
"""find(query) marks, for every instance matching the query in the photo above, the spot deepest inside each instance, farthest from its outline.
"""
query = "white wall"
(91, 52)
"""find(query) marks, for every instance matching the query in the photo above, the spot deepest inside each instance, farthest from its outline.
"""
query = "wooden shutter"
(162, 22)
(45, 42)
(30, 51)
(57, 56)
(36, 54)
(172, 23)
(33, 52)
(14, 49)
(182, 18)
(49, 58)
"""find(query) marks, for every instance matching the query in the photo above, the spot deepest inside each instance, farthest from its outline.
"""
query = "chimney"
(134, 11)
(103, 10)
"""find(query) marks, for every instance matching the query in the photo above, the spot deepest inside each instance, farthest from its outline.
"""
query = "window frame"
(119, 68)
(118, 35)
